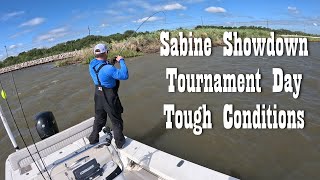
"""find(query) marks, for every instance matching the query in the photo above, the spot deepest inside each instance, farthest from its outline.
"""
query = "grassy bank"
(144, 42)
(150, 42)
(87, 56)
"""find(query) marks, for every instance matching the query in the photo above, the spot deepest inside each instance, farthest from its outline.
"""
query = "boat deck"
(66, 151)
(138, 173)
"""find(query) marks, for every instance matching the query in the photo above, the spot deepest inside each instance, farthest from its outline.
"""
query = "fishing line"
(15, 87)
(15, 123)
(125, 44)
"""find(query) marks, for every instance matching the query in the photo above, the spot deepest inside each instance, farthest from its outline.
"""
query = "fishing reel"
(113, 61)
(109, 137)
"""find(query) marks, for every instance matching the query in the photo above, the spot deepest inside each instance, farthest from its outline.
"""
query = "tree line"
(277, 31)
(93, 39)
(66, 47)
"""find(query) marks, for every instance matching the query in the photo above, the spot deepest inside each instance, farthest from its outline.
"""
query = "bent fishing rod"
(140, 27)
(134, 32)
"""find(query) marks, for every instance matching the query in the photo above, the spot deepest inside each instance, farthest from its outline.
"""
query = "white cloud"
(53, 35)
(140, 3)
(20, 33)
(170, 7)
(58, 30)
(111, 12)
(315, 24)
(116, 12)
(153, 18)
(213, 9)
(193, 1)
(14, 46)
(103, 25)
(131, 10)
(11, 15)
(151, 7)
(293, 10)
(33, 22)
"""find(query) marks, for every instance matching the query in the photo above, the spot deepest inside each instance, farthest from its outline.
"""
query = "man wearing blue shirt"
(106, 79)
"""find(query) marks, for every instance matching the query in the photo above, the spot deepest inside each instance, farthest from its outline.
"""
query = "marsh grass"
(86, 56)
(150, 42)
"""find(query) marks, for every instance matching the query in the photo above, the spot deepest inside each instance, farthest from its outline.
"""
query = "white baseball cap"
(100, 48)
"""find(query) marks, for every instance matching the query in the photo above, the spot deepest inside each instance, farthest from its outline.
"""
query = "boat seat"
(51, 144)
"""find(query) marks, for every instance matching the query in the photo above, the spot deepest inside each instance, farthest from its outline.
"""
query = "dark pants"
(107, 102)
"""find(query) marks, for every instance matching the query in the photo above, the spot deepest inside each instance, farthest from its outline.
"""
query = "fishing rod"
(28, 127)
(4, 96)
(127, 41)
(140, 27)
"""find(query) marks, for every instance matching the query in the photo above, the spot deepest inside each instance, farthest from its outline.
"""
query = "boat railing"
(21, 158)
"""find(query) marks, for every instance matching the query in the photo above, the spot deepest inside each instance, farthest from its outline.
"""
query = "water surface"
(246, 154)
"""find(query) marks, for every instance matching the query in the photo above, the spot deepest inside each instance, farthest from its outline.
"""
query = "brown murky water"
(248, 154)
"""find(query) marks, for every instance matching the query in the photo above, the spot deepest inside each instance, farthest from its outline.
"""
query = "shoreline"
(83, 56)
(140, 43)
(36, 62)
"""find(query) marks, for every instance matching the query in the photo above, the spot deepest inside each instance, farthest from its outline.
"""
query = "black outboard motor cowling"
(46, 124)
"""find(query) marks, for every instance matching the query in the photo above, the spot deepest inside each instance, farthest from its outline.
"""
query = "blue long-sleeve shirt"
(108, 73)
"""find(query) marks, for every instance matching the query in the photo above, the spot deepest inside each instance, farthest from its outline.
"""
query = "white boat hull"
(138, 161)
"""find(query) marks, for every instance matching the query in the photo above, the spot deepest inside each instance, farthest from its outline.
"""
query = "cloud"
(293, 10)
(58, 30)
(170, 7)
(213, 9)
(154, 18)
(52, 35)
(111, 12)
(151, 7)
(33, 22)
(140, 3)
(103, 25)
(315, 24)
(131, 10)
(14, 46)
(119, 19)
(20, 33)
(11, 15)
(128, 4)
(194, 1)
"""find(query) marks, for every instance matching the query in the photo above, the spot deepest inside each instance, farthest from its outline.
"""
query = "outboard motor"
(46, 124)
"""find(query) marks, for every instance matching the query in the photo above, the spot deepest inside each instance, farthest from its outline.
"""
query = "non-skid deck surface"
(138, 173)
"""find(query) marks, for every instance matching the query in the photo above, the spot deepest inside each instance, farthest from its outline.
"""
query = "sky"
(39, 24)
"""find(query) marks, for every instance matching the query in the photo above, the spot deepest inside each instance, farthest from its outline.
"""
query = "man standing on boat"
(106, 79)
